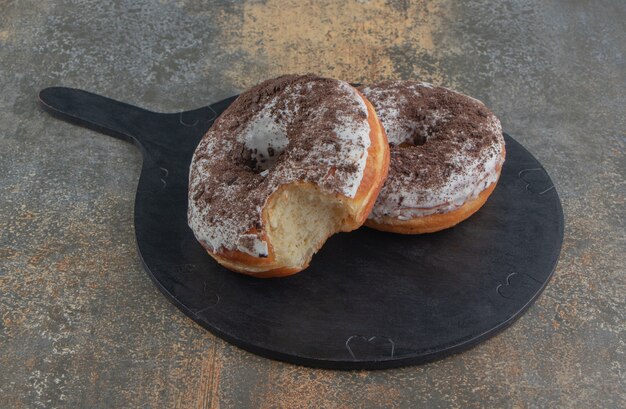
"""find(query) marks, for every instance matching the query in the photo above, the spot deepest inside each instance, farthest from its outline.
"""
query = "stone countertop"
(83, 326)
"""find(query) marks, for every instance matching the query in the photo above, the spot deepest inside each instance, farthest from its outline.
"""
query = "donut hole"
(416, 132)
(264, 143)
(261, 161)
(300, 219)
(417, 137)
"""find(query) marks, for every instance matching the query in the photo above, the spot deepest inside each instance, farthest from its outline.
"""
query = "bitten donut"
(447, 151)
(289, 163)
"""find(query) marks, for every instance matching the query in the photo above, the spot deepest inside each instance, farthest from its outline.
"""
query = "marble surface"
(81, 325)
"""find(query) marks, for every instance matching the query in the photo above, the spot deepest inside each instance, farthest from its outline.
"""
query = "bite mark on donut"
(287, 132)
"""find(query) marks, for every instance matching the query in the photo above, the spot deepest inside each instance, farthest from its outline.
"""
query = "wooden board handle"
(96, 112)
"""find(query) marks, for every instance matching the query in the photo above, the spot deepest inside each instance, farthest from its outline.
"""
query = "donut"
(447, 152)
(289, 163)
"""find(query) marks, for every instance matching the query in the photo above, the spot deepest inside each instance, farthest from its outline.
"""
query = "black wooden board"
(369, 299)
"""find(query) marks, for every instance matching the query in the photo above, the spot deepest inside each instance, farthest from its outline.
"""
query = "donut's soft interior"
(300, 219)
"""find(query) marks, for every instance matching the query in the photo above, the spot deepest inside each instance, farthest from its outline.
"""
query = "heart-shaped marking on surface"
(190, 119)
(188, 122)
(166, 173)
(515, 285)
(537, 180)
(358, 345)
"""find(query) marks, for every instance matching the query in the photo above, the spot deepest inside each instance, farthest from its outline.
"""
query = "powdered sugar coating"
(287, 130)
(446, 148)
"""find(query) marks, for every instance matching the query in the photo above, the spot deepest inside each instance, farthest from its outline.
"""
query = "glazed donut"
(447, 151)
(291, 162)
